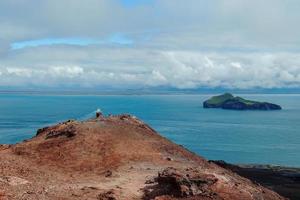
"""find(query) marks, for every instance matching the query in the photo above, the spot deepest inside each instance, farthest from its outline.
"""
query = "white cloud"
(179, 69)
(237, 65)
(21, 72)
(234, 70)
(66, 71)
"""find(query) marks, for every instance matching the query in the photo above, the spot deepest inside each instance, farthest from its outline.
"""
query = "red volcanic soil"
(114, 158)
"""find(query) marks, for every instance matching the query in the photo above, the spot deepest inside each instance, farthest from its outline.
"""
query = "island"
(117, 157)
(228, 101)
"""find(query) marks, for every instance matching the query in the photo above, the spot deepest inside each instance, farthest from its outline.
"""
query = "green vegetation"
(218, 100)
(245, 101)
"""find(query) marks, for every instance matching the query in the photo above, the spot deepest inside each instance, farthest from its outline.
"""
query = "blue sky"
(136, 2)
(115, 38)
(126, 44)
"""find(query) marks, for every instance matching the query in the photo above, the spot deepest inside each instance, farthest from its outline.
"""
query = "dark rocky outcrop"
(109, 195)
(182, 183)
(68, 132)
(284, 180)
(228, 101)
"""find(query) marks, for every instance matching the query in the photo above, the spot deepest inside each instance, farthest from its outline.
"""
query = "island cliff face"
(228, 101)
(114, 158)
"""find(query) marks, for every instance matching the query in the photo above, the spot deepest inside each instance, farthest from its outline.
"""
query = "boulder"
(182, 183)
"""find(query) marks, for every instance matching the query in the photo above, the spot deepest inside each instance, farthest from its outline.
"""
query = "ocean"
(248, 137)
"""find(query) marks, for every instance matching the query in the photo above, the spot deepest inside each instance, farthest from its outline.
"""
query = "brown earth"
(114, 158)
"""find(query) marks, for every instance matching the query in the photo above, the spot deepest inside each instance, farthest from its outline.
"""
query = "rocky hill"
(114, 158)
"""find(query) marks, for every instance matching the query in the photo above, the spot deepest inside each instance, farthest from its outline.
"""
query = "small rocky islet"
(228, 101)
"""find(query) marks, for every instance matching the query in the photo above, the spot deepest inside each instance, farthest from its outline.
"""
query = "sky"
(136, 44)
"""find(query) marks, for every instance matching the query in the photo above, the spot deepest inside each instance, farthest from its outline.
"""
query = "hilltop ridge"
(114, 158)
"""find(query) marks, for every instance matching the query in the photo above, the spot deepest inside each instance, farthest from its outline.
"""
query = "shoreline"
(283, 180)
(138, 93)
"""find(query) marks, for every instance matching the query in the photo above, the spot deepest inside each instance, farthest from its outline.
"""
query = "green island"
(228, 101)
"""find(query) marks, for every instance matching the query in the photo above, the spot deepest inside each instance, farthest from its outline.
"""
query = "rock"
(125, 117)
(89, 188)
(99, 115)
(228, 101)
(284, 180)
(169, 159)
(182, 183)
(12, 180)
(41, 130)
(108, 173)
(4, 146)
(149, 181)
(48, 129)
(109, 195)
(67, 132)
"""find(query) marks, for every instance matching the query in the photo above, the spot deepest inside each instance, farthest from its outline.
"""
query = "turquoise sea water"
(259, 137)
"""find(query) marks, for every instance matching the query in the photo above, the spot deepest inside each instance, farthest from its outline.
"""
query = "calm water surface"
(259, 137)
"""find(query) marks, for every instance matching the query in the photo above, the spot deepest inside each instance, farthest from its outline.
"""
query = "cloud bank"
(129, 45)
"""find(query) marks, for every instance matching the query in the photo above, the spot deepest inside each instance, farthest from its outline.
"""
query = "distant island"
(228, 101)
